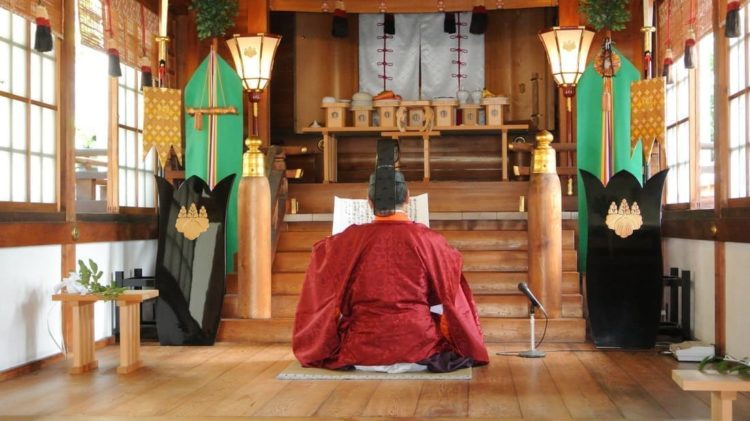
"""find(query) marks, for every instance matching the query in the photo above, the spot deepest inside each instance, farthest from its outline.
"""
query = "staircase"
(478, 219)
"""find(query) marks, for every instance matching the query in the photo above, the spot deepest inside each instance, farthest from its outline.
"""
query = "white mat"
(294, 371)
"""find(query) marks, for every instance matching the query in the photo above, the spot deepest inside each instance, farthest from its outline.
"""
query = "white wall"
(697, 257)
(738, 299)
(30, 273)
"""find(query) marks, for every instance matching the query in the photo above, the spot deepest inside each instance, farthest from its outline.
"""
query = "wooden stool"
(83, 329)
(723, 388)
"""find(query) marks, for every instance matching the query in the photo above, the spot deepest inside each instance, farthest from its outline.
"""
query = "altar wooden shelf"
(83, 329)
(330, 150)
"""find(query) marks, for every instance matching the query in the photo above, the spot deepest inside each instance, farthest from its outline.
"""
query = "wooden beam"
(15, 234)
(402, 6)
(568, 13)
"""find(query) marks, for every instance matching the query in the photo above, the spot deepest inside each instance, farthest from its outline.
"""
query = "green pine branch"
(613, 15)
(90, 279)
(214, 17)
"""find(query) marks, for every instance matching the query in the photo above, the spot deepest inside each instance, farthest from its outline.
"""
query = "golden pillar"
(545, 227)
(254, 224)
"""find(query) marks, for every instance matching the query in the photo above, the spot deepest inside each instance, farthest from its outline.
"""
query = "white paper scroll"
(357, 211)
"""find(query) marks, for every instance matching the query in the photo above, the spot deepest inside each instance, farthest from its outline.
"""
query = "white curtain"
(399, 63)
(419, 46)
(441, 53)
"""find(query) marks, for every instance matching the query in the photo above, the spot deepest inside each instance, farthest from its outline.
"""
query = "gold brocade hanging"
(647, 114)
(162, 122)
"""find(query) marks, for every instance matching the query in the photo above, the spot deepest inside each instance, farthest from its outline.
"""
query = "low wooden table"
(723, 388)
(83, 329)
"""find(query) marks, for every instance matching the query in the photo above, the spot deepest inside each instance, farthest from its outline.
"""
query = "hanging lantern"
(147, 77)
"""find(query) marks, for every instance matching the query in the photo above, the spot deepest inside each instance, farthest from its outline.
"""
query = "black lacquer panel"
(623, 275)
(190, 274)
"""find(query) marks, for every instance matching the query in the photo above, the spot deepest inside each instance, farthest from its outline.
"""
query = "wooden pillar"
(67, 132)
(254, 226)
(545, 227)
(721, 167)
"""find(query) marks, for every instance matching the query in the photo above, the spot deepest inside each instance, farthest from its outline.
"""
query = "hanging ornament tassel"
(389, 22)
(732, 27)
(43, 40)
(667, 71)
(478, 20)
(689, 50)
(114, 59)
(340, 27)
(147, 76)
(449, 24)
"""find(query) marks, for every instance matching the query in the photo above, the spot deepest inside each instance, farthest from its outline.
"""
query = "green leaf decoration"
(90, 279)
(214, 17)
(613, 15)
(726, 365)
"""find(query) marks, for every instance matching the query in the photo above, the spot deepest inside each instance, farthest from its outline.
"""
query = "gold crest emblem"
(623, 220)
(250, 52)
(192, 223)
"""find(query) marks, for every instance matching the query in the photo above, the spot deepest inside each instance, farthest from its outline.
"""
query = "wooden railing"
(279, 186)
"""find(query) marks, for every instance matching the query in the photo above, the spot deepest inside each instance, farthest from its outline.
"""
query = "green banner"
(589, 137)
(229, 138)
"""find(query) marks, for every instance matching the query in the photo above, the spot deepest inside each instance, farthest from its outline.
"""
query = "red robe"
(367, 295)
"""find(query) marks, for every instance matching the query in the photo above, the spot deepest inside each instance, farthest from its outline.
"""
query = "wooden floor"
(239, 380)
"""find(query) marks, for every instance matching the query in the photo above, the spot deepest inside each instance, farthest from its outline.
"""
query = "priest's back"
(367, 295)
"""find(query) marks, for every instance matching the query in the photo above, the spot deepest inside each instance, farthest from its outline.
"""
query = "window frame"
(744, 39)
(118, 85)
(27, 205)
(694, 201)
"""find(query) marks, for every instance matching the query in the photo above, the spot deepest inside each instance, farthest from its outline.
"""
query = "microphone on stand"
(533, 352)
(523, 287)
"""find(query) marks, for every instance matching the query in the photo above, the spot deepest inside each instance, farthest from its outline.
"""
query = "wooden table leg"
(721, 405)
(504, 152)
(83, 338)
(426, 148)
(130, 337)
(334, 159)
(326, 158)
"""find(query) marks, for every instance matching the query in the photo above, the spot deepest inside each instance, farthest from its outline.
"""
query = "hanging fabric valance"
(679, 24)
(27, 9)
(90, 23)
(134, 29)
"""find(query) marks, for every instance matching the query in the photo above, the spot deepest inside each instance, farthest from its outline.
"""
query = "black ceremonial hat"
(386, 178)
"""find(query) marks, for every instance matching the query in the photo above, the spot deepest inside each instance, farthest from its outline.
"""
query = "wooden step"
(496, 330)
(440, 225)
(444, 196)
(461, 240)
(515, 305)
(474, 261)
(481, 282)
(231, 283)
